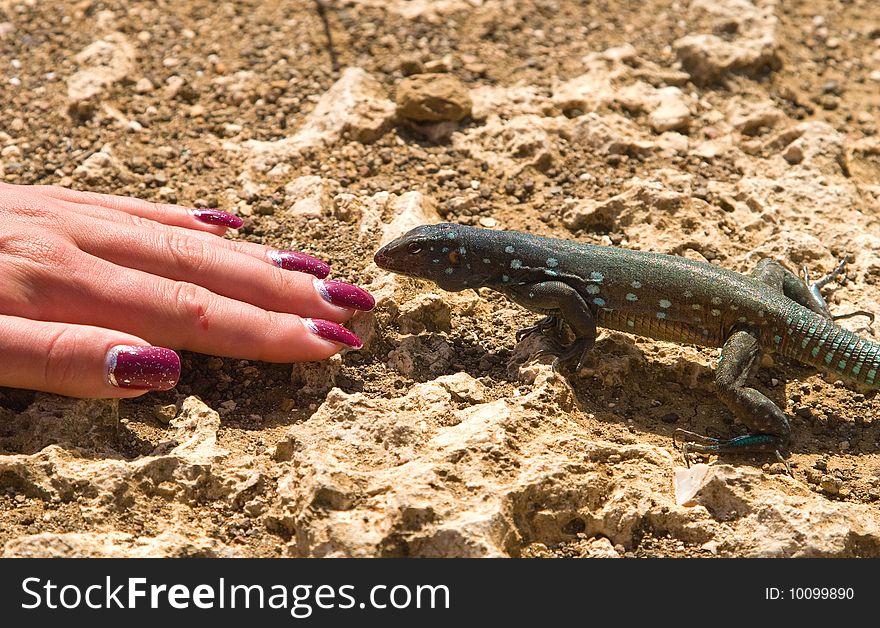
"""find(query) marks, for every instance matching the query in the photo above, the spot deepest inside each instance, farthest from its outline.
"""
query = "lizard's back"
(661, 296)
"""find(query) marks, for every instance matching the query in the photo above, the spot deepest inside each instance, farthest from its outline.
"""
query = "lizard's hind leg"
(771, 431)
(801, 291)
(778, 277)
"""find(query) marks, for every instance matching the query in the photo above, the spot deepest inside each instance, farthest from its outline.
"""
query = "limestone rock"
(427, 311)
(316, 378)
(103, 62)
(114, 545)
(355, 106)
(709, 58)
(408, 211)
(591, 213)
(797, 523)
(505, 101)
(310, 196)
(671, 112)
(433, 98)
(103, 167)
(512, 145)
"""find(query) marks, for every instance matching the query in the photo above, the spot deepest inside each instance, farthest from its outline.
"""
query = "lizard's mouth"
(386, 259)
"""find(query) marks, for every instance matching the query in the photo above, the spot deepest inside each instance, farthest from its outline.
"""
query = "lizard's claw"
(820, 283)
(574, 355)
(542, 326)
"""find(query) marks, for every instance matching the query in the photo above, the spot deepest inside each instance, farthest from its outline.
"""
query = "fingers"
(211, 220)
(81, 361)
(183, 315)
(175, 254)
(99, 219)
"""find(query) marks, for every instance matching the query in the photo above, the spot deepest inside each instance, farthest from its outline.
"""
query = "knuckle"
(37, 248)
(61, 370)
(193, 303)
(188, 254)
(136, 221)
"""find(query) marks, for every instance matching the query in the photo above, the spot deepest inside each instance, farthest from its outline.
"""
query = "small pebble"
(164, 414)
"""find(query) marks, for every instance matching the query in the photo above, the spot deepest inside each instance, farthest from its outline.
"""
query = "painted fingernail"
(293, 260)
(345, 295)
(218, 217)
(144, 368)
(332, 331)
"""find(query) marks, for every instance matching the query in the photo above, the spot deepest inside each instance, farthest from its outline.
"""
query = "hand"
(90, 282)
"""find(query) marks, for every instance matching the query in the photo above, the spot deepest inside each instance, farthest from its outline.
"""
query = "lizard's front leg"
(558, 298)
(771, 431)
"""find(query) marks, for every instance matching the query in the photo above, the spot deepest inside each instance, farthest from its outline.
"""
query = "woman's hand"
(94, 287)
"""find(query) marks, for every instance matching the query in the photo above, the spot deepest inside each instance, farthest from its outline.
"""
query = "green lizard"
(665, 297)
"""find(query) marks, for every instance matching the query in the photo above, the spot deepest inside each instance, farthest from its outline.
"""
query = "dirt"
(822, 71)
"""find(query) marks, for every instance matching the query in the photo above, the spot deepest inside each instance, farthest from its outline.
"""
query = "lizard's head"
(439, 253)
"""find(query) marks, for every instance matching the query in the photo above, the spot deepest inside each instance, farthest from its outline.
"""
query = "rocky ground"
(725, 130)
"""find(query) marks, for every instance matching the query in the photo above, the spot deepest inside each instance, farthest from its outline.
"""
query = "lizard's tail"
(813, 339)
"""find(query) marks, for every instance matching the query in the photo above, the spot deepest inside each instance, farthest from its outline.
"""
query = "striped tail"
(813, 339)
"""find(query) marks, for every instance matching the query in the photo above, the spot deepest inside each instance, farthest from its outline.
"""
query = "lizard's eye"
(414, 248)
(453, 258)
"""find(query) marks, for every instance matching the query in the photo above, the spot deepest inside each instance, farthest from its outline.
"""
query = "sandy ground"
(724, 131)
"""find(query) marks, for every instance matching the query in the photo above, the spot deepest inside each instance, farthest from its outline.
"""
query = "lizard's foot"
(748, 443)
(717, 447)
(820, 283)
(542, 326)
(573, 357)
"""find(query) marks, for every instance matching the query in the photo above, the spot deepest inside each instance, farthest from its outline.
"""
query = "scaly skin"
(660, 296)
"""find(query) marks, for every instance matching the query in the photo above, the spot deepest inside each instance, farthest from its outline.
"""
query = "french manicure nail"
(294, 260)
(345, 295)
(332, 331)
(218, 217)
(144, 368)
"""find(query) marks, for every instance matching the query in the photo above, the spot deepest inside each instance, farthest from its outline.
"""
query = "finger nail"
(218, 217)
(332, 331)
(293, 260)
(345, 295)
(144, 368)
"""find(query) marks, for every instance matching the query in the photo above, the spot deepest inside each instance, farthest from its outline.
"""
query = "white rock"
(143, 86)
(103, 62)
(672, 112)
(114, 545)
(709, 58)
(310, 196)
(409, 210)
(103, 166)
(688, 481)
(355, 106)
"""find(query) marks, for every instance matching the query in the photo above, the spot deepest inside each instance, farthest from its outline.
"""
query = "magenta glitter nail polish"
(345, 295)
(332, 331)
(294, 260)
(218, 217)
(143, 368)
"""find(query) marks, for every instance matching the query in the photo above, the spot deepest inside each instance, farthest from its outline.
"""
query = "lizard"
(665, 297)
